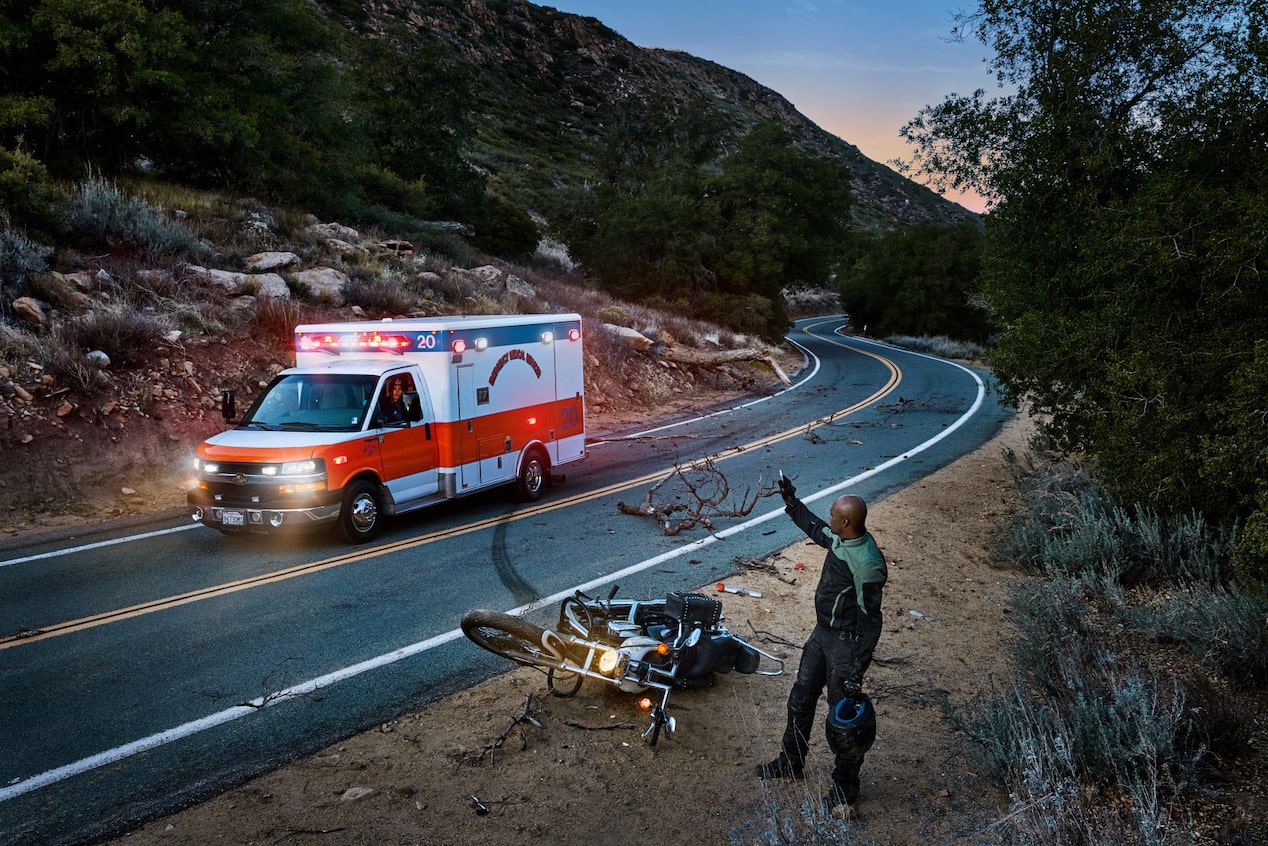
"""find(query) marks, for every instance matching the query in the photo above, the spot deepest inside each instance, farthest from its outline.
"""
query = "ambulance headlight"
(202, 466)
(306, 467)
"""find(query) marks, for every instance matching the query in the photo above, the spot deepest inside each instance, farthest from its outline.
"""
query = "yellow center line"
(210, 592)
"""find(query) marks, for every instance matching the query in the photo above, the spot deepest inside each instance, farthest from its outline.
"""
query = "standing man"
(839, 650)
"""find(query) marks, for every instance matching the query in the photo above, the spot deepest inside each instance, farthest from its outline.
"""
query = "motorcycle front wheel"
(511, 637)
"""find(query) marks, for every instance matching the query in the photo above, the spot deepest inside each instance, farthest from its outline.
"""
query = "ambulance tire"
(361, 515)
(533, 477)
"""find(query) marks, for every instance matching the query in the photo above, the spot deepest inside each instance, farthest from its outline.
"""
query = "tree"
(1126, 157)
(681, 218)
(783, 215)
(923, 280)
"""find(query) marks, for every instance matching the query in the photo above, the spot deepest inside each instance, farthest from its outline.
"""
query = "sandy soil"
(579, 772)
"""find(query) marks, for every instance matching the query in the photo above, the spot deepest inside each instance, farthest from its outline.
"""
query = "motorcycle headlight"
(611, 662)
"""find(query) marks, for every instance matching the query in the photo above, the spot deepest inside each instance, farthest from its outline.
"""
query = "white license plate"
(233, 518)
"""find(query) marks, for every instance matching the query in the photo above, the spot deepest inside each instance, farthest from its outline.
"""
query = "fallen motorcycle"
(664, 645)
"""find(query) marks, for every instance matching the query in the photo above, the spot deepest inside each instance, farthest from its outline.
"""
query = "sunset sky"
(858, 68)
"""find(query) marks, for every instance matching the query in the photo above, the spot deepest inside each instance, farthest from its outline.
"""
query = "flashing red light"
(574, 334)
(390, 343)
(662, 649)
(645, 704)
(319, 342)
(459, 346)
(532, 421)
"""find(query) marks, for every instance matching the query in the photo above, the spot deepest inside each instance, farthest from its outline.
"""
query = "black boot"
(781, 767)
(840, 804)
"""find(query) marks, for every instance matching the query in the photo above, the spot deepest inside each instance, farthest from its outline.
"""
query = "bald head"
(848, 517)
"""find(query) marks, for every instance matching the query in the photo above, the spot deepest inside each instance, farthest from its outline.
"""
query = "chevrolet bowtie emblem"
(240, 479)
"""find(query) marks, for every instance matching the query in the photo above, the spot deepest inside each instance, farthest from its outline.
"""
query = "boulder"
(227, 279)
(29, 310)
(334, 230)
(270, 261)
(55, 289)
(325, 283)
(517, 286)
(633, 337)
(269, 286)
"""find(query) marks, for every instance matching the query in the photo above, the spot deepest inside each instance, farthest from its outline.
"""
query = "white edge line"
(180, 732)
(99, 544)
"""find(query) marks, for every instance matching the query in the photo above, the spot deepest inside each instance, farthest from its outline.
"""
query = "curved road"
(143, 671)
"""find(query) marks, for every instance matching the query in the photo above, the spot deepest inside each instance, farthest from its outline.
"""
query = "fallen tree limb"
(708, 495)
(708, 359)
(712, 359)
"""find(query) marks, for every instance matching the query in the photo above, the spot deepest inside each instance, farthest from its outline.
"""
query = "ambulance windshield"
(312, 402)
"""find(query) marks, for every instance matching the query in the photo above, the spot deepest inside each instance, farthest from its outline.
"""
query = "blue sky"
(858, 68)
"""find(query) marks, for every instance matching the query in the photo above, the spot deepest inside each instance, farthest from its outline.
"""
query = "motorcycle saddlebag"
(693, 609)
(747, 659)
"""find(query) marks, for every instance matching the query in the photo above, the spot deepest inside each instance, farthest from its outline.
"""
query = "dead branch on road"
(708, 496)
(528, 715)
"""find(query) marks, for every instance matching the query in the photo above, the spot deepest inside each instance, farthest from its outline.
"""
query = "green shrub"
(32, 201)
(16, 346)
(613, 314)
(1226, 627)
(379, 294)
(505, 229)
(101, 216)
(275, 319)
(1251, 554)
(20, 259)
(126, 334)
(940, 345)
(1054, 630)
(752, 314)
(1073, 525)
(1088, 723)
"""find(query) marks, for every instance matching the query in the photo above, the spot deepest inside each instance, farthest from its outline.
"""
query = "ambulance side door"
(407, 447)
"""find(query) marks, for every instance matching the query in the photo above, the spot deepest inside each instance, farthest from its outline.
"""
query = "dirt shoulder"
(579, 772)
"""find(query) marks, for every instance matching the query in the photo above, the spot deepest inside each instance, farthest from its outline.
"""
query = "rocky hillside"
(548, 83)
(111, 433)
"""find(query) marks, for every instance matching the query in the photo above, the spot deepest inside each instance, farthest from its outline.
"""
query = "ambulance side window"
(392, 409)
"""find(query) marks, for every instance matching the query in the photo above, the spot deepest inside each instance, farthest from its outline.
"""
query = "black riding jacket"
(848, 598)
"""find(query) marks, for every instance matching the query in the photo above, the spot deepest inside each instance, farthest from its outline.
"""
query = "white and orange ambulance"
(381, 418)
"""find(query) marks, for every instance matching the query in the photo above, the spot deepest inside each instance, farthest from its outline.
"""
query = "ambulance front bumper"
(260, 519)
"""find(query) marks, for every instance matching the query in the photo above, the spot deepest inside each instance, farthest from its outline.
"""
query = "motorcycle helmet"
(851, 726)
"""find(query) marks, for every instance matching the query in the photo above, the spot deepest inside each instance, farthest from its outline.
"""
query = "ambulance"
(382, 418)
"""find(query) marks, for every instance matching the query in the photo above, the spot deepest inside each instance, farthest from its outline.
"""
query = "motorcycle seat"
(693, 609)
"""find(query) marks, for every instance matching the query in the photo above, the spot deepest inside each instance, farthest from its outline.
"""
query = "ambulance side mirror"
(228, 406)
(413, 408)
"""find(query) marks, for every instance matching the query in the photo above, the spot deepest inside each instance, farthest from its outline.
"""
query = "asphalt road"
(147, 668)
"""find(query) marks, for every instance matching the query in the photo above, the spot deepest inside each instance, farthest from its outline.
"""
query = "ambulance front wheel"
(361, 514)
(533, 477)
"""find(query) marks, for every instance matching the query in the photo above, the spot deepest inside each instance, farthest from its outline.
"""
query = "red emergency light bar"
(387, 343)
(365, 341)
(319, 343)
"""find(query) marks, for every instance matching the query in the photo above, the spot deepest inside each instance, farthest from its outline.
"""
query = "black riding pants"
(826, 660)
